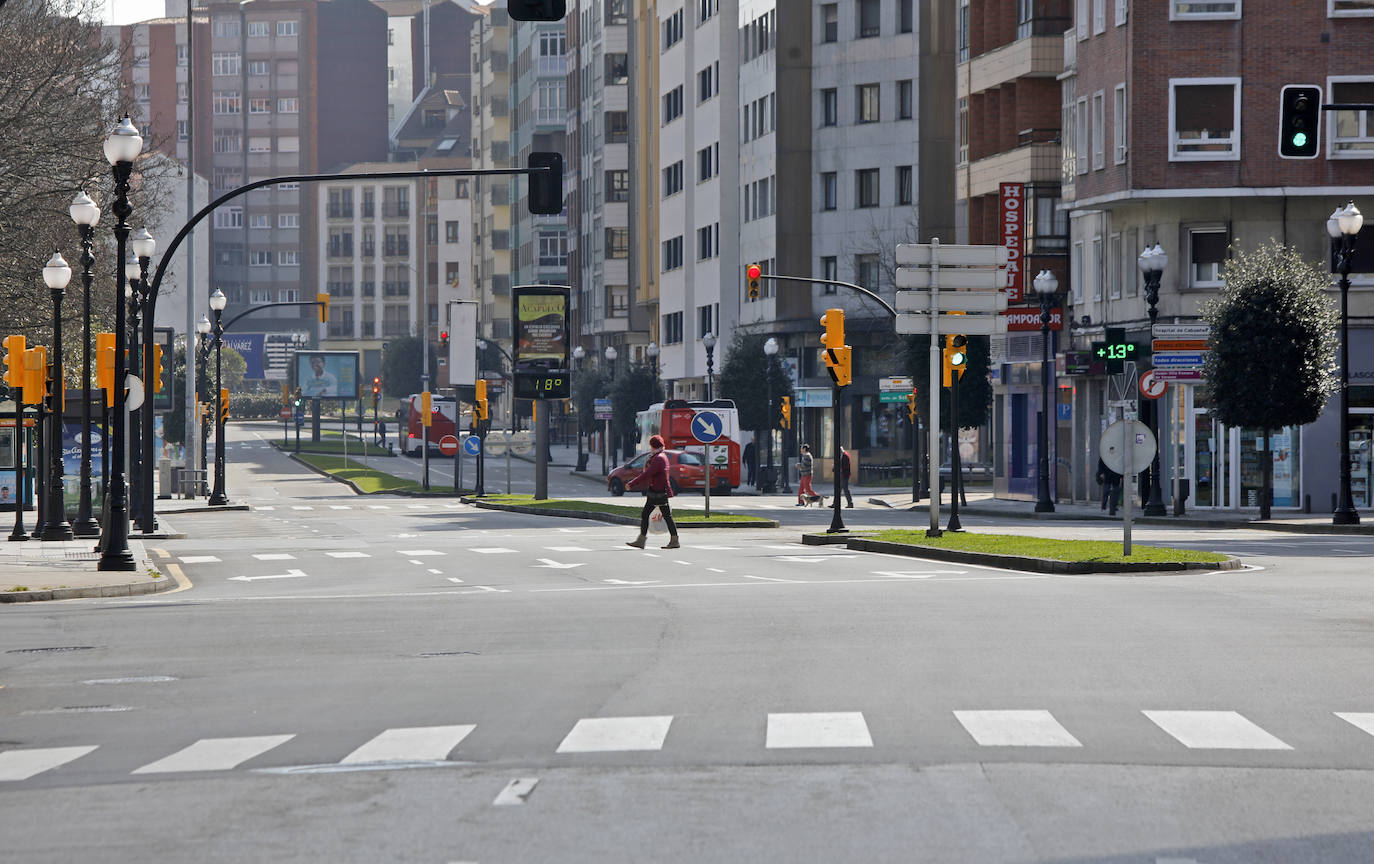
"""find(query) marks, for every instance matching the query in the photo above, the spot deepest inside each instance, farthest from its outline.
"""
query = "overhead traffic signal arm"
(837, 355)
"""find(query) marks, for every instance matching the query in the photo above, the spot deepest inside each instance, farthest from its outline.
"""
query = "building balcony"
(341, 330)
(1035, 162)
(340, 250)
(339, 289)
(340, 211)
(396, 211)
(396, 289)
(1033, 57)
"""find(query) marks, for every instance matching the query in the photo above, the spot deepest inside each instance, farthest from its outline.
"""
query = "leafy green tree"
(401, 365)
(588, 385)
(233, 368)
(975, 387)
(1273, 314)
(632, 390)
(744, 377)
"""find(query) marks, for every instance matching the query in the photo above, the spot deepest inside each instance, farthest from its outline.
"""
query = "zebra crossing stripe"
(1015, 729)
(1363, 722)
(616, 734)
(348, 555)
(23, 764)
(838, 729)
(214, 754)
(1214, 730)
(414, 744)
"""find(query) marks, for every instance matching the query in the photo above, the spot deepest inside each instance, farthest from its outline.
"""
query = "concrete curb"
(404, 493)
(1164, 521)
(200, 508)
(611, 518)
(1033, 565)
(291, 451)
(130, 590)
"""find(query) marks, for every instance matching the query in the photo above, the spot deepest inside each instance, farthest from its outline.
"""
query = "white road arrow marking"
(550, 564)
(289, 574)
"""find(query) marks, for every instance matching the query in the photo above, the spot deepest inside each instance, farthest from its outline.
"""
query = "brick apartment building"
(1171, 131)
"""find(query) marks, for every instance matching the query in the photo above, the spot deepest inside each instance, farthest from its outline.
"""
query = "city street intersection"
(350, 678)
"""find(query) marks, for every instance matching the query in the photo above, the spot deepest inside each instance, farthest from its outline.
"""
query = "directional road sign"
(1179, 359)
(707, 426)
(448, 445)
(1180, 345)
(895, 382)
(953, 301)
(601, 409)
(1194, 375)
(472, 445)
(919, 255)
(950, 279)
(1181, 331)
(969, 325)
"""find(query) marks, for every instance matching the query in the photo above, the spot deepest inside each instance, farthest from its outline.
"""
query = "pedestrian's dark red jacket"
(655, 475)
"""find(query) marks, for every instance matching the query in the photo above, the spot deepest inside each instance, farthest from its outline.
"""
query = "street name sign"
(893, 395)
(1159, 345)
(1181, 331)
(601, 409)
(1190, 375)
(950, 279)
(1179, 359)
(895, 382)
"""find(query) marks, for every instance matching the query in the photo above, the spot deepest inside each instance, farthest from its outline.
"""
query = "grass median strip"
(1088, 551)
(574, 504)
(332, 447)
(366, 479)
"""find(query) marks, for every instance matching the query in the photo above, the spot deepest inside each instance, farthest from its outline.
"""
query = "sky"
(129, 11)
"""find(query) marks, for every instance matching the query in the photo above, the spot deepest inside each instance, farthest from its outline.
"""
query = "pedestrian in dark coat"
(1111, 487)
(657, 489)
(844, 478)
(751, 463)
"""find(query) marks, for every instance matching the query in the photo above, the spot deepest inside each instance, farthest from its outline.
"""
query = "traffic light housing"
(443, 338)
(376, 388)
(546, 170)
(14, 360)
(480, 408)
(426, 409)
(156, 372)
(955, 357)
(836, 354)
(223, 404)
(104, 365)
(754, 272)
(299, 398)
(323, 300)
(35, 375)
(786, 412)
(911, 405)
(537, 10)
(1300, 121)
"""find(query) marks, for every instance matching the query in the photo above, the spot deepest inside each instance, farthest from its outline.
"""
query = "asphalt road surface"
(353, 679)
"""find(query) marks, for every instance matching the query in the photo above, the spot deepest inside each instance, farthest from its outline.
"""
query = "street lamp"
(202, 357)
(217, 497)
(709, 340)
(770, 350)
(134, 296)
(122, 147)
(577, 354)
(652, 352)
(1343, 226)
(56, 275)
(1152, 263)
(144, 247)
(606, 437)
(86, 215)
(1046, 287)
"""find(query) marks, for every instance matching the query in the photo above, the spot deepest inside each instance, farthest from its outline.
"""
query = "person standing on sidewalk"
(1111, 486)
(844, 478)
(654, 480)
(804, 491)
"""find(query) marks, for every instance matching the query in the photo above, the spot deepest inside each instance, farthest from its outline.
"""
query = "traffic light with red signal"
(753, 272)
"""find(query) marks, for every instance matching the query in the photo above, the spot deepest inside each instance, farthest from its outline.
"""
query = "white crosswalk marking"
(348, 555)
(567, 549)
(301, 507)
(23, 764)
(214, 754)
(491, 550)
(274, 556)
(616, 734)
(1214, 730)
(416, 553)
(265, 509)
(1015, 729)
(340, 507)
(1363, 722)
(838, 729)
(378, 507)
(199, 559)
(415, 744)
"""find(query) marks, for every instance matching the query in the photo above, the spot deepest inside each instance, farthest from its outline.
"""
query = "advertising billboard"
(328, 374)
(540, 314)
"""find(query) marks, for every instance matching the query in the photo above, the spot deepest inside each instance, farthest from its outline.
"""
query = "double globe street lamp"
(1343, 226)
(217, 303)
(577, 354)
(709, 340)
(1046, 287)
(56, 275)
(610, 355)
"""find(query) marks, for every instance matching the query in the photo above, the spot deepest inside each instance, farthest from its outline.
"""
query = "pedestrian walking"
(751, 463)
(1111, 487)
(844, 477)
(654, 481)
(805, 494)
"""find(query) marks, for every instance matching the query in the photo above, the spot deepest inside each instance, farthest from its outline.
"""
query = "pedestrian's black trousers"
(667, 518)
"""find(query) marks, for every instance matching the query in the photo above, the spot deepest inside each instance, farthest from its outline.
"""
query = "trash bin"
(165, 481)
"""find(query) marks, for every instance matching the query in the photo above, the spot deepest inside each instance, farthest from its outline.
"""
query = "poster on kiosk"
(540, 314)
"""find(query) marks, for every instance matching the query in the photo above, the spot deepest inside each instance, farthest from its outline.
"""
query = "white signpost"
(975, 273)
(1127, 447)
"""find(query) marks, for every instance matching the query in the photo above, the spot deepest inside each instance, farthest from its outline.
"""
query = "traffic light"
(836, 353)
(296, 402)
(1300, 121)
(426, 409)
(955, 357)
(911, 405)
(14, 360)
(285, 395)
(323, 300)
(546, 171)
(480, 409)
(376, 389)
(537, 10)
(443, 338)
(786, 412)
(223, 404)
(104, 365)
(156, 371)
(35, 375)
(754, 272)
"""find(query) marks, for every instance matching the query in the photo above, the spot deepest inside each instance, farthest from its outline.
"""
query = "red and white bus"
(673, 420)
(443, 423)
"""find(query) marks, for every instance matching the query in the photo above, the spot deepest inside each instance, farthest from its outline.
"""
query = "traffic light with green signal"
(1300, 121)
(955, 357)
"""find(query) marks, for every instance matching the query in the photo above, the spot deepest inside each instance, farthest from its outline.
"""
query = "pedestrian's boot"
(672, 543)
(638, 542)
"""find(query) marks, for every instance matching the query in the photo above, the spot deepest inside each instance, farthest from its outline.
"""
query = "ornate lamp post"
(56, 275)
(1152, 263)
(578, 353)
(1046, 287)
(202, 356)
(134, 429)
(86, 216)
(610, 355)
(121, 149)
(652, 352)
(1343, 226)
(770, 350)
(217, 303)
(144, 247)
(709, 340)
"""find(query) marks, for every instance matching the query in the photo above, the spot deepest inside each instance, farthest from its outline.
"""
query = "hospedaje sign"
(1012, 198)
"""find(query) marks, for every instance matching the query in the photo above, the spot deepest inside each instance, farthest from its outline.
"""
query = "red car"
(685, 471)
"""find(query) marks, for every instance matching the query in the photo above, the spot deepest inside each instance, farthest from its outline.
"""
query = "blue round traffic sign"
(707, 426)
(472, 445)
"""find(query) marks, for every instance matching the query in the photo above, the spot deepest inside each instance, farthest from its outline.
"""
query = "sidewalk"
(63, 570)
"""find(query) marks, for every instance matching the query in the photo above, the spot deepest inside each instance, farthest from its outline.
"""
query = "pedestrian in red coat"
(657, 490)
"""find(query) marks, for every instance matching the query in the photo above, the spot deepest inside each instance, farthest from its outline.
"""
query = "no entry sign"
(448, 445)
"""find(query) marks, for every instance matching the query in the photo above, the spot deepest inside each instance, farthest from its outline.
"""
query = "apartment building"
(539, 98)
(1176, 146)
(420, 35)
(644, 177)
(1010, 56)
(491, 149)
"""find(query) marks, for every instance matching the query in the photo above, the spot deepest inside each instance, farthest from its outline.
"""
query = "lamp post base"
(57, 531)
(17, 536)
(1155, 508)
(1044, 506)
(218, 499)
(117, 561)
(1346, 516)
(87, 528)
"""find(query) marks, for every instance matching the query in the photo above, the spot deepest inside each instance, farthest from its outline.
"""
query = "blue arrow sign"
(472, 445)
(707, 426)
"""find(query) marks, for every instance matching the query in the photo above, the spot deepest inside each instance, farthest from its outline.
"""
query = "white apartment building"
(699, 213)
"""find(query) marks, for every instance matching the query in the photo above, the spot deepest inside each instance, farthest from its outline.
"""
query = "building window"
(870, 18)
(224, 64)
(229, 217)
(904, 196)
(1119, 124)
(1097, 268)
(708, 242)
(1203, 10)
(961, 132)
(829, 191)
(616, 12)
(617, 68)
(288, 220)
(1351, 136)
(1204, 119)
(705, 84)
(672, 328)
(830, 107)
(1081, 138)
(288, 28)
(866, 271)
(451, 231)
(708, 162)
(259, 68)
(866, 96)
(904, 99)
(256, 28)
(1130, 275)
(183, 130)
(672, 179)
(260, 221)
(226, 102)
(1098, 132)
(672, 253)
(905, 16)
(259, 105)
(830, 269)
(866, 187)
(961, 25)
(553, 249)
(830, 22)
(1076, 274)
(617, 127)
(705, 320)
(288, 106)
(672, 30)
(672, 105)
(226, 141)
(1114, 272)
(259, 258)
(1206, 255)
(617, 186)
(1121, 12)
(1348, 8)
(1099, 16)
(617, 243)
(289, 258)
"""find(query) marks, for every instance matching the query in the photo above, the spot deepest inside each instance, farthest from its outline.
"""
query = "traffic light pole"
(837, 520)
(956, 478)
